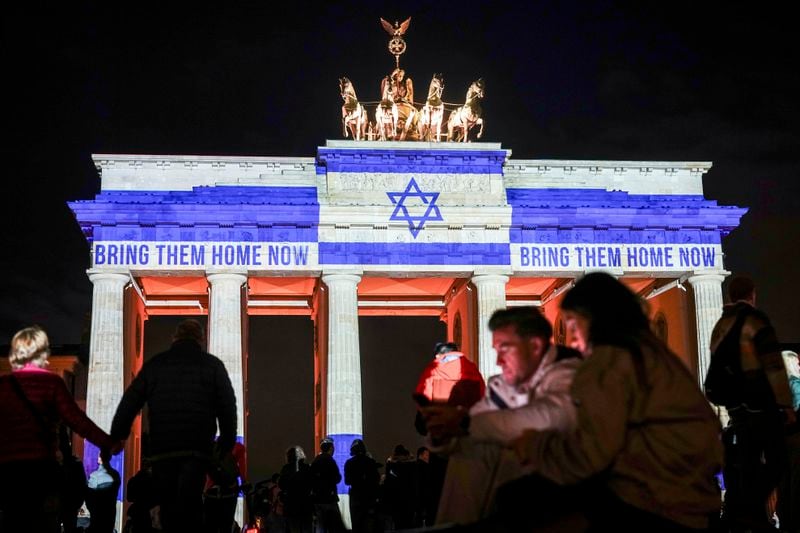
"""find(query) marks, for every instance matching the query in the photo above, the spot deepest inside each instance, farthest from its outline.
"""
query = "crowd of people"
(303, 497)
(609, 432)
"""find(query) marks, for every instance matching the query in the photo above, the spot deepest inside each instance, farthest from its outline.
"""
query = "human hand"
(523, 444)
(443, 421)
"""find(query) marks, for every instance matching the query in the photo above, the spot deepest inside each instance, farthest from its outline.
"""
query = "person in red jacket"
(450, 378)
(33, 402)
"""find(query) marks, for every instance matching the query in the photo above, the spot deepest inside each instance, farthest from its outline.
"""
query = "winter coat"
(325, 476)
(188, 392)
(765, 384)
(361, 474)
(451, 378)
(22, 438)
(542, 402)
(647, 430)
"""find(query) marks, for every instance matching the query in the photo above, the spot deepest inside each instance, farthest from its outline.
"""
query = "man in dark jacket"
(188, 392)
(325, 475)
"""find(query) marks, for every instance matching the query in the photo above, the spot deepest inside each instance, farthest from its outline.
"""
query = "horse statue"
(354, 116)
(468, 115)
(432, 114)
(386, 112)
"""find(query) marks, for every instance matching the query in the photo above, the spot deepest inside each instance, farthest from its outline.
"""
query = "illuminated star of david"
(415, 224)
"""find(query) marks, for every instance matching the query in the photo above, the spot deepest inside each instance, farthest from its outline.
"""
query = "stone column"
(344, 360)
(708, 308)
(225, 341)
(106, 379)
(491, 297)
(225, 333)
(344, 414)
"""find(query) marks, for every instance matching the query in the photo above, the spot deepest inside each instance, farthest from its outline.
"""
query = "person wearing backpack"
(747, 377)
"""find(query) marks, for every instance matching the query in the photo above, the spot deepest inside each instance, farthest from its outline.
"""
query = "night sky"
(685, 81)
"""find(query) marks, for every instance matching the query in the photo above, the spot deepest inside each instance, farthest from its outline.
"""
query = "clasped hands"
(445, 422)
(106, 453)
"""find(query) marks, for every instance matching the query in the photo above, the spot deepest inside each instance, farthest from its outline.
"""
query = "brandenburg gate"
(452, 230)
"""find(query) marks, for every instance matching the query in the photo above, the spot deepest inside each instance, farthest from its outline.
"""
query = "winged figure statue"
(398, 29)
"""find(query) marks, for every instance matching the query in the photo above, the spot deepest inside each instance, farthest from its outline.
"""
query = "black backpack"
(725, 383)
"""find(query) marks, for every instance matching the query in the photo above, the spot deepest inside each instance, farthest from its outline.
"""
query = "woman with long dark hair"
(646, 448)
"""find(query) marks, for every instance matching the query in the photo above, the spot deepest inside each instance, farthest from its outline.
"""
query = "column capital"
(712, 275)
(491, 296)
(480, 279)
(492, 271)
(214, 277)
(333, 277)
(99, 275)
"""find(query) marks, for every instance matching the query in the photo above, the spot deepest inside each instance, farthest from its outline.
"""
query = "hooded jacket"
(451, 378)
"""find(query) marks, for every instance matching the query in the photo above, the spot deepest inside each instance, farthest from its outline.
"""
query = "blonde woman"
(33, 401)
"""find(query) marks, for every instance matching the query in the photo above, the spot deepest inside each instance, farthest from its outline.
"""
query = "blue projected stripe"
(211, 214)
(370, 253)
(90, 455)
(616, 217)
(341, 453)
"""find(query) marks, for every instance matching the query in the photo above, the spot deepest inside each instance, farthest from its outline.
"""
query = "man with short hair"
(532, 392)
(426, 493)
(759, 405)
(325, 475)
(189, 394)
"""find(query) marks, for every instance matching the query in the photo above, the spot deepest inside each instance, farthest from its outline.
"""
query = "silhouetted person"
(225, 478)
(399, 487)
(101, 498)
(361, 474)
(141, 495)
(755, 390)
(188, 393)
(325, 476)
(74, 495)
(425, 505)
(295, 485)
